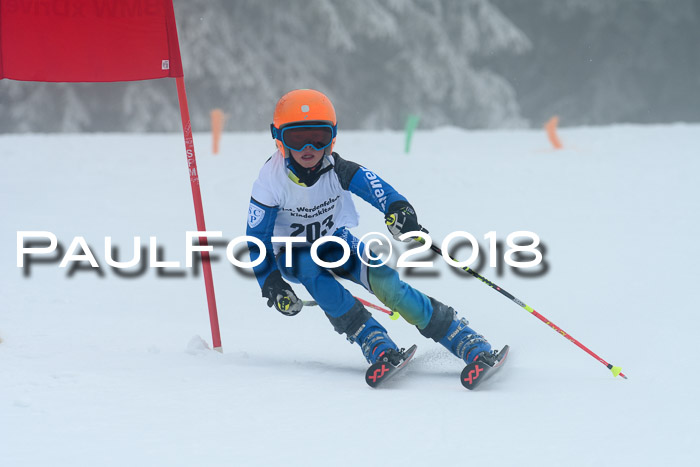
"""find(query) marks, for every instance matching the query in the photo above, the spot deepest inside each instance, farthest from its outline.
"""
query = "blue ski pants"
(382, 281)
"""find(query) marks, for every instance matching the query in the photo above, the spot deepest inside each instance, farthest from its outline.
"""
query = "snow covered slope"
(98, 369)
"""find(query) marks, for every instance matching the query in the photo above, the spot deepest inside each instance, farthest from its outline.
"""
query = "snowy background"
(465, 63)
(104, 370)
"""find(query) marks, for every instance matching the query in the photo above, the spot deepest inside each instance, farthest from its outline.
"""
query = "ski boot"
(453, 333)
(376, 343)
(377, 347)
(379, 350)
(464, 342)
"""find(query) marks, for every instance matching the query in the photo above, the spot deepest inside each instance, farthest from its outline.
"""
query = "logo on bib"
(255, 215)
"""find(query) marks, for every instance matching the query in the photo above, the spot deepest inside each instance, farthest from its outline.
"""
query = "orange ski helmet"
(302, 106)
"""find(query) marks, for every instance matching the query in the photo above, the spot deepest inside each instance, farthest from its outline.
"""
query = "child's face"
(307, 157)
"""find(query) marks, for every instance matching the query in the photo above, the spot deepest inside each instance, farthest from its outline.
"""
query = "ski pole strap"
(616, 370)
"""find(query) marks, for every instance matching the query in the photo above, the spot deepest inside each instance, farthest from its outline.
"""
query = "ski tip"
(617, 371)
(504, 351)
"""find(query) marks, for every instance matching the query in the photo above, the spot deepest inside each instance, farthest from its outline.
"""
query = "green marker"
(411, 125)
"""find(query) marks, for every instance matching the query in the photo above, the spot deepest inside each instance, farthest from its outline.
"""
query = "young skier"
(304, 190)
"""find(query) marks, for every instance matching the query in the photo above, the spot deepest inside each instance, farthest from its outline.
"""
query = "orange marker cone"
(217, 126)
(551, 128)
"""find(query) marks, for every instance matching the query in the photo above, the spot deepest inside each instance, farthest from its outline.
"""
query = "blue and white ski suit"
(282, 206)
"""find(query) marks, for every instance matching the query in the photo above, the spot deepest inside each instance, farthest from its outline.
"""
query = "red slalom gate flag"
(98, 41)
(88, 40)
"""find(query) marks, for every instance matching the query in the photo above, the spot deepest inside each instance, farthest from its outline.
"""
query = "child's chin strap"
(307, 177)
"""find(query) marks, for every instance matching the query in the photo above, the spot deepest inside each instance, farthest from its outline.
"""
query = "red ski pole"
(616, 370)
(392, 314)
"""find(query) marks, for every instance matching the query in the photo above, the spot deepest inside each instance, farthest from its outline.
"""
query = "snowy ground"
(104, 370)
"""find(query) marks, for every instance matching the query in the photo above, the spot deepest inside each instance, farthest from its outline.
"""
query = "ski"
(482, 368)
(382, 370)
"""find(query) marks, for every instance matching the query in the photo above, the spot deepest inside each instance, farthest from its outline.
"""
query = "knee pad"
(350, 322)
(440, 321)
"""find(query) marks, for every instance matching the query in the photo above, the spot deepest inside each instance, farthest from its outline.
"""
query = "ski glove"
(280, 294)
(401, 218)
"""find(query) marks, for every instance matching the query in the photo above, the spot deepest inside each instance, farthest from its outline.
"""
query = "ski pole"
(616, 370)
(392, 314)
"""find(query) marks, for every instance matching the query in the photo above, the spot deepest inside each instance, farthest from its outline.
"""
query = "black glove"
(280, 294)
(401, 218)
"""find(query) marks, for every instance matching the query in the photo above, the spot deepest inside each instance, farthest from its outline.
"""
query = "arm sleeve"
(261, 224)
(366, 184)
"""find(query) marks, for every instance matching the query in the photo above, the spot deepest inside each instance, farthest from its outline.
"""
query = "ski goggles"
(297, 137)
